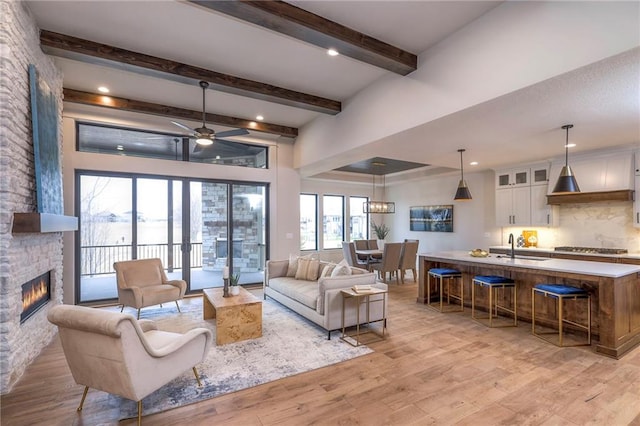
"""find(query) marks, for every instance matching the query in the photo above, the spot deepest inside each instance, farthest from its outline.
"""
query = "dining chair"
(373, 245)
(349, 253)
(408, 258)
(361, 245)
(390, 261)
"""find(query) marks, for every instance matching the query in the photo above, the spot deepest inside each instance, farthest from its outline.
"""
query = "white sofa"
(320, 300)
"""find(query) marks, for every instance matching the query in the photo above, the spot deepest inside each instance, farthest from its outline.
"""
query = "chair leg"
(84, 395)
(138, 313)
(195, 373)
(414, 275)
(178, 306)
(122, 309)
(139, 412)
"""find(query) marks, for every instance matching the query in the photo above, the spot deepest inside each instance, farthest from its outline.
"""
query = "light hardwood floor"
(432, 369)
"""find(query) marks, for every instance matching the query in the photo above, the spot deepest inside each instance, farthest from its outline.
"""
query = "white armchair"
(114, 353)
(143, 283)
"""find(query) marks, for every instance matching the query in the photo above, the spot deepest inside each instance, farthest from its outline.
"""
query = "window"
(333, 221)
(358, 221)
(100, 138)
(308, 222)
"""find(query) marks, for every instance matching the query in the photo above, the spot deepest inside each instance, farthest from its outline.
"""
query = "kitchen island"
(614, 289)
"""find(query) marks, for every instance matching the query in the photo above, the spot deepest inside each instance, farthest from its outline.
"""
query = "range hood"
(590, 197)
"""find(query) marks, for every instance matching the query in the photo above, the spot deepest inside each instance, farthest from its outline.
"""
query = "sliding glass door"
(184, 222)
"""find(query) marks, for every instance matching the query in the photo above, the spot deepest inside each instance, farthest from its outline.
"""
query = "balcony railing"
(98, 260)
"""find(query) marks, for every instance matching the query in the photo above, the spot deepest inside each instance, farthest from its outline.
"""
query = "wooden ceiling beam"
(95, 53)
(96, 99)
(306, 26)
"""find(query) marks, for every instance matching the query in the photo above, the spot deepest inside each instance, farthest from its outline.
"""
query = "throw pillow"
(327, 270)
(293, 264)
(307, 269)
(341, 269)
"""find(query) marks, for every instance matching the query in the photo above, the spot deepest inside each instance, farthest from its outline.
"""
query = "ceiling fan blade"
(235, 132)
(184, 127)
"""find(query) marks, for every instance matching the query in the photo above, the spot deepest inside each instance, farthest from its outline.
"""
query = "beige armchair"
(143, 283)
(114, 353)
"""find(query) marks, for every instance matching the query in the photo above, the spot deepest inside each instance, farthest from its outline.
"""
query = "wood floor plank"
(433, 368)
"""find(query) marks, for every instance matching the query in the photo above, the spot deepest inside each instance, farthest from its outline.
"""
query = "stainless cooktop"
(594, 250)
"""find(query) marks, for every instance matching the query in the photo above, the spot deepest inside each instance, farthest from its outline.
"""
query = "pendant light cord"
(566, 144)
(203, 107)
(566, 149)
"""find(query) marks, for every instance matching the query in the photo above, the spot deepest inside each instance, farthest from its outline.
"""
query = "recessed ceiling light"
(473, 163)
(332, 52)
(103, 89)
(120, 148)
(259, 117)
(570, 145)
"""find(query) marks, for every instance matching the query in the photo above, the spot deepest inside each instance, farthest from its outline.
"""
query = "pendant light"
(378, 207)
(566, 181)
(462, 192)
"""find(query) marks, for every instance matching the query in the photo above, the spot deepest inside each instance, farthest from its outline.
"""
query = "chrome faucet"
(513, 254)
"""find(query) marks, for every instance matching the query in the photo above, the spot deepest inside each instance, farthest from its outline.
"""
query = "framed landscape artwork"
(44, 121)
(431, 218)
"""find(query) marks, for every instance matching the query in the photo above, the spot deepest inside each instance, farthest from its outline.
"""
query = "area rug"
(289, 345)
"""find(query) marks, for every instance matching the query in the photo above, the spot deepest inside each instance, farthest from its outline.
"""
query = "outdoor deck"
(103, 287)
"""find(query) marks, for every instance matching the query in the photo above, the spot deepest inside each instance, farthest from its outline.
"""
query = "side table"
(354, 338)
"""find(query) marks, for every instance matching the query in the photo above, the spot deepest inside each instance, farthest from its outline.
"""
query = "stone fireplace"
(23, 256)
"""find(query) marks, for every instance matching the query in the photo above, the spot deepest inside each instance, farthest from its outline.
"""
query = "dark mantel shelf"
(591, 197)
(43, 222)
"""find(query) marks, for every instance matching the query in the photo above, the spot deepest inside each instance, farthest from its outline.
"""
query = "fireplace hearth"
(35, 294)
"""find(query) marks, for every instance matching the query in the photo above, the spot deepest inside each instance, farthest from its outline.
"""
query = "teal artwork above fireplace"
(44, 121)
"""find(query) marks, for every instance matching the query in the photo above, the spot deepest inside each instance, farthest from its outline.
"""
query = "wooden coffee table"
(237, 317)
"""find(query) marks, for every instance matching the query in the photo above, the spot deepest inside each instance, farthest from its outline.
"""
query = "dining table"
(373, 256)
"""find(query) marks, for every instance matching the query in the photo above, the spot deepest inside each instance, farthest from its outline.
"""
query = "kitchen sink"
(536, 259)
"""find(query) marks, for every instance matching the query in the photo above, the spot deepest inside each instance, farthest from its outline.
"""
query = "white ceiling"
(604, 97)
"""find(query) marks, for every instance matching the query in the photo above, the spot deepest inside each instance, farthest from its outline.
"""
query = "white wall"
(473, 220)
(522, 43)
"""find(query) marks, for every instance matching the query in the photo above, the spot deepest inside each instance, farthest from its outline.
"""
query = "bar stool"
(561, 293)
(440, 275)
(494, 283)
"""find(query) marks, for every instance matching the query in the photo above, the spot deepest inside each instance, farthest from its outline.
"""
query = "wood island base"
(614, 289)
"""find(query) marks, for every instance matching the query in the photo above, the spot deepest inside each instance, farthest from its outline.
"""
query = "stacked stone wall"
(245, 229)
(22, 256)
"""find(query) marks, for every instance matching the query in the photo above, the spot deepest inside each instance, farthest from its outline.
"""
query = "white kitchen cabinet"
(637, 156)
(540, 174)
(510, 178)
(513, 206)
(604, 172)
(542, 214)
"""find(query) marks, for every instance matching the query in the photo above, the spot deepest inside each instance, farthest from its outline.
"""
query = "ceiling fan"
(205, 136)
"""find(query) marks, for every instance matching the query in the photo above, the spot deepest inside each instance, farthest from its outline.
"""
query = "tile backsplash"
(602, 225)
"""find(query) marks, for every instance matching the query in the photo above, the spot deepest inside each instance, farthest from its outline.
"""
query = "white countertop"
(552, 250)
(600, 269)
